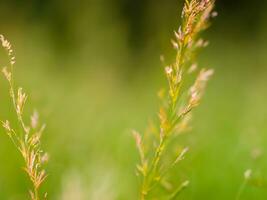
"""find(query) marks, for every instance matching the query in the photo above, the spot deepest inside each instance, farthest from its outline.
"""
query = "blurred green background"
(92, 70)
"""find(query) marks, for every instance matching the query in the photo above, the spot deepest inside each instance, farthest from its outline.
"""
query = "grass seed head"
(173, 115)
(26, 141)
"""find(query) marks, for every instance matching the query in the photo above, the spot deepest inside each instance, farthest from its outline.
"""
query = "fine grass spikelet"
(181, 156)
(6, 125)
(34, 119)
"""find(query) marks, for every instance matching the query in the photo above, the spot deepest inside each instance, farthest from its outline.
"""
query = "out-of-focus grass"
(91, 104)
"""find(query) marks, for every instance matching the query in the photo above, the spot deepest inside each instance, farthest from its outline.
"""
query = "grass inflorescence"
(27, 137)
(177, 104)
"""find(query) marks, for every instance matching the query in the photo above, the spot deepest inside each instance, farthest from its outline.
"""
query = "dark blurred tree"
(59, 16)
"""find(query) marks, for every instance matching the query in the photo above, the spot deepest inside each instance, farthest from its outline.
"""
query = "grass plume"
(27, 138)
(180, 100)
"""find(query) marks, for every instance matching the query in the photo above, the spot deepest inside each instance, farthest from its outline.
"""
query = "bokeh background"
(92, 70)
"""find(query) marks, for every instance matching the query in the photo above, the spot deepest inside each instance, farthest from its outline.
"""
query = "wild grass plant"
(155, 146)
(26, 138)
(161, 147)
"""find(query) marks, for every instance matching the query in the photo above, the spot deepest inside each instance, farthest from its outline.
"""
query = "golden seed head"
(173, 113)
(27, 143)
(7, 46)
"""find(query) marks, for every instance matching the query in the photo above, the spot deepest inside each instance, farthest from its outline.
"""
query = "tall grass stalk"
(27, 137)
(177, 105)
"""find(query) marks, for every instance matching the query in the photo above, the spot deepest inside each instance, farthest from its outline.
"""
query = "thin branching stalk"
(174, 112)
(27, 138)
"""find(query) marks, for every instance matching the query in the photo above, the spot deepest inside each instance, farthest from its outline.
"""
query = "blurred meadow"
(92, 70)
